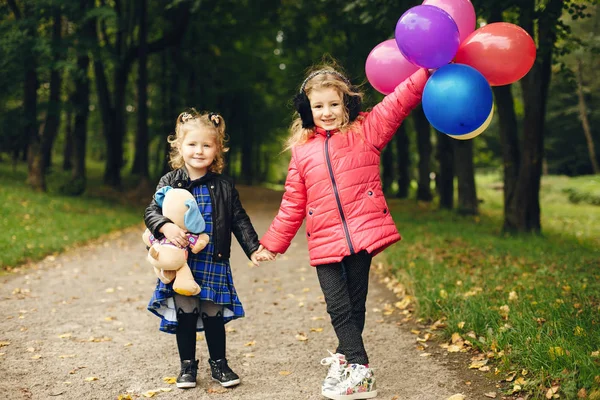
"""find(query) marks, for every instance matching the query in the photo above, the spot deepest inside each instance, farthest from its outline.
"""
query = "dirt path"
(76, 327)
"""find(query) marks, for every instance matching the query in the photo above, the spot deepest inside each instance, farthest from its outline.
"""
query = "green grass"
(463, 269)
(34, 225)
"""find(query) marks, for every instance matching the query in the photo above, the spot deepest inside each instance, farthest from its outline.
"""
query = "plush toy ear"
(193, 217)
(159, 196)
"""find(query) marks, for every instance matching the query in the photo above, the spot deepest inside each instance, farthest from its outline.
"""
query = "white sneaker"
(358, 383)
(337, 364)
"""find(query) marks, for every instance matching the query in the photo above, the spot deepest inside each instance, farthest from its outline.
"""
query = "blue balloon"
(457, 99)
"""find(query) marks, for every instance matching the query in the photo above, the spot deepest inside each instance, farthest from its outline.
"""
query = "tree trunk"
(114, 138)
(387, 173)
(140, 163)
(525, 204)
(80, 102)
(54, 105)
(583, 111)
(445, 175)
(423, 130)
(465, 173)
(68, 148)
(509, 139)
(403, 157)
(31, 137)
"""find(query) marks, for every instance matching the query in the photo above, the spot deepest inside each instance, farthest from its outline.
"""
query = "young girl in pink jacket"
(333, 181)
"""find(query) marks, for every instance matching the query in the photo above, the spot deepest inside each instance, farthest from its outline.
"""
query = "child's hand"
(175, 234)
(254, 257)
(264, 254)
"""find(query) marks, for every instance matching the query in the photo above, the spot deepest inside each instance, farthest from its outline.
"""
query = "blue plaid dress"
(214, 278)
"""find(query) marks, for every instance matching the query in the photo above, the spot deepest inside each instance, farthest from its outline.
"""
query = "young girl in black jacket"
(197, 149)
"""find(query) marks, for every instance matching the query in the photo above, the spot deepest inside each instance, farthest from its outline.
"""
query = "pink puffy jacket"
(333, 180)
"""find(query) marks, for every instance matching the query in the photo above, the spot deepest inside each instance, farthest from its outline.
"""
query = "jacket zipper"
(337, 195)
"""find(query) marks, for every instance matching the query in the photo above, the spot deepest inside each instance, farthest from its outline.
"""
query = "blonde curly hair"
(190, 120)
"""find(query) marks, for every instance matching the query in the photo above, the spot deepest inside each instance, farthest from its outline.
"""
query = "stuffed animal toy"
(168, 260)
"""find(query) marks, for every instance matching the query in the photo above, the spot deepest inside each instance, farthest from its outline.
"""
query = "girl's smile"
(327, 108)
(198, 150)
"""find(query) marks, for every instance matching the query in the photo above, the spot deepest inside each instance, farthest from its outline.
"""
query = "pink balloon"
(386, 67)
(461, 11)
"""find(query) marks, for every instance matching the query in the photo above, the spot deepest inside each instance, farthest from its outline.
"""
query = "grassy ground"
(532, 304)
(34, 225)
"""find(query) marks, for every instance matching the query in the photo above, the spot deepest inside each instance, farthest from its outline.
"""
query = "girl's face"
(327, 108)
(199, 150)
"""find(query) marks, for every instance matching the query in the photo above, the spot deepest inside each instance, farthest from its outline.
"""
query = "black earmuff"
(302, 103)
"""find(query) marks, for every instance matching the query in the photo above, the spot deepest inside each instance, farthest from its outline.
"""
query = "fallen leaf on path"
(491, 395)
(517, 388)
(249, 355)
(150, 393)
(456, 397)
(510, 377)
(171, 380)
(317, 318)
(36, 357)
(2, 344)
(110, 290)
(252, 343)
(128, 344)
(98, 340)
(425, 355)
(521, 381)
(301, 337)
(124, 397)
(284, 373)
(90, 379)
(582, 394)
(552, 391)
(404, 303)
(316, 329)
(478, 364)
(484, 369)
(425, 338)
(216, 391)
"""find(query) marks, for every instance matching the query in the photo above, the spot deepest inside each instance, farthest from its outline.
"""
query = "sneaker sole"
(186, 385)
(355, 396)
(228, 384)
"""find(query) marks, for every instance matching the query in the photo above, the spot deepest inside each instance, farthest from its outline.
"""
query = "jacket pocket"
(309, 221)
(377, 200)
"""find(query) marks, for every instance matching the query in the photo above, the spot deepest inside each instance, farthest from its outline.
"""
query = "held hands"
(262, 254)
(175, 234)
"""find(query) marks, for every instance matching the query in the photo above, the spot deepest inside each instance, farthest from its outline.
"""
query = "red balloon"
(502, 52)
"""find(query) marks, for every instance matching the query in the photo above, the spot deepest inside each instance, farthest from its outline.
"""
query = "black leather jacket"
(228, 215)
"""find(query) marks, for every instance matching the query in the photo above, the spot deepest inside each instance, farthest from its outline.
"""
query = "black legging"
(188, 311)
(345, 286)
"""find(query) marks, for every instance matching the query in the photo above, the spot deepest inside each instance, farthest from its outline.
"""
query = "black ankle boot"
(187, 376)
(222, 373)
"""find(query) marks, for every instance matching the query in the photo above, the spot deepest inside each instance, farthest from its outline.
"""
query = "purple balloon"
(427, 36)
